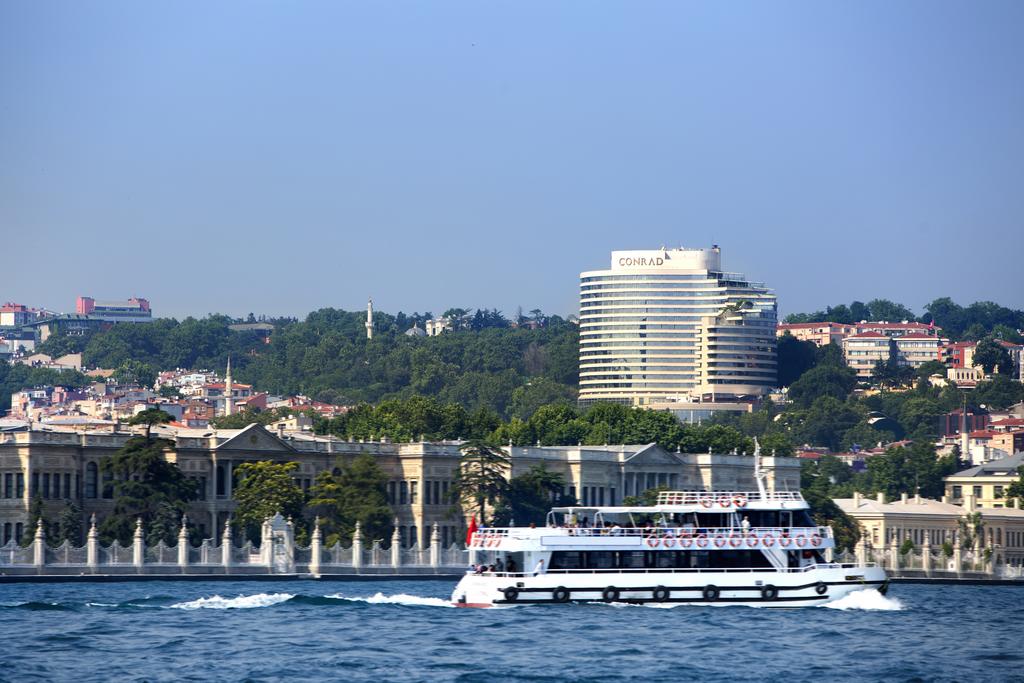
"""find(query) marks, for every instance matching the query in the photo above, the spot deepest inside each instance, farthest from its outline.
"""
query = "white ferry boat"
(755, 548)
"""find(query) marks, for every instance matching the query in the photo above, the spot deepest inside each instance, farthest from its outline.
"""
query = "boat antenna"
(759, 475)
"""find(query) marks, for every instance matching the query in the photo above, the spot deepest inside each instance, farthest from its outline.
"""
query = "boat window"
(631, 560)
(566, 559)
(802, 518)
(600, 560)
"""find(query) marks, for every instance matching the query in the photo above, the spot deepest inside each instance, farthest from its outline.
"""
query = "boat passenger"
(616, 530)
(512, 565)
(745, 524)
(499, 565)
(539, 568)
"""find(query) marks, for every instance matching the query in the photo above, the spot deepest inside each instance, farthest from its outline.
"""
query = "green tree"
(823, 380)
(932, 367)
(144, 484)
(1016, 489)
(354, 492)
(991, 356)
(70, 523)
(999, 393)
(883, 309)
(647, 498)
(264, 489)
(481, 479)
(530, 496)
(537, 392)
(150, 417)
(36, 512)
(135, 372)
(824, 512)
(795, 357)
(907, 470)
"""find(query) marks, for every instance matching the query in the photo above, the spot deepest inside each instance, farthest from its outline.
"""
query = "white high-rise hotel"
(670, 326)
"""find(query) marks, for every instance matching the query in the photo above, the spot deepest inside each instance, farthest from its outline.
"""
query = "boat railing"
(679, 570)
(668, 537)
(710, 499)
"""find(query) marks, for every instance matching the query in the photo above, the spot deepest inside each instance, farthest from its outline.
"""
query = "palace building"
(670, 326)
(60, 464)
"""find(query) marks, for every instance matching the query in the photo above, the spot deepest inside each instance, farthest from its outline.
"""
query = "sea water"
(407, 631)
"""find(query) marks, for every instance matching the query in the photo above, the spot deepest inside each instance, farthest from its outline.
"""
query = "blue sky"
(278, 157)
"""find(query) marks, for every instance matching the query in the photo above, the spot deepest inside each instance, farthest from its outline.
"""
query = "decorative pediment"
(255, 438)
(653, 454)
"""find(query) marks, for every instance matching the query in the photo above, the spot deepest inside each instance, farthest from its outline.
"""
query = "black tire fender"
(610, 594)
(560, 594)
(660, 594)
(769, 592)
(820, 588)
(511, 593)
(710, 592)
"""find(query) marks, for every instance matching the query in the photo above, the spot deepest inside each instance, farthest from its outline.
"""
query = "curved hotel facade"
(669, 326)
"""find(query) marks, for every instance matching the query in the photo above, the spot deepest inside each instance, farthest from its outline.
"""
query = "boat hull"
(808, 588)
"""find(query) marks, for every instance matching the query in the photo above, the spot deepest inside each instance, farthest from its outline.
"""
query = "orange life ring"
(801, 541)
(785, 541)
(652, 541)
(735, 540)
(685, 542)
(815, 540)
(768, 541)
(719, 541)
(752, 541)
(702, 541)
(739, 500)
(707, 501)
(724, 501)
(668, 542)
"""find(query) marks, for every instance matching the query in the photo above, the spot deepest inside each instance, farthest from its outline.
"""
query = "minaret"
(228, 391)
(369, 319)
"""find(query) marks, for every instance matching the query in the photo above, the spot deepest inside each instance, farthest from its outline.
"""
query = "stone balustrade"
(277, 553)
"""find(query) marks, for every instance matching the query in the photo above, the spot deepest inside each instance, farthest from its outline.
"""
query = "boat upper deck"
(702, 501)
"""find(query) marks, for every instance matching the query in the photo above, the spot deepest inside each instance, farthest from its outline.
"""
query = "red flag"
(471, 530)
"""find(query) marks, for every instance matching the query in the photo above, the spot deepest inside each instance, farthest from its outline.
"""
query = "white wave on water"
(241, 602)
(867, 599)
(399, 599)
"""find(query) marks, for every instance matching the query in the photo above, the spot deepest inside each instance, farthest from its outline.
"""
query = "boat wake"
(867, 599)
(271, 599)
(241, 602)
(399, 599)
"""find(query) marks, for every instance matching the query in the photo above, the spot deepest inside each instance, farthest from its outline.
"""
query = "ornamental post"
(39, 547)
(138, 546)
(861, 551)
(183, 544)
(435, 547)
(314, 549)
(958, 550)
(926, 553)
(225, 546)
(396, 548)
(894, 555)
(92, 546)
(357, 548)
